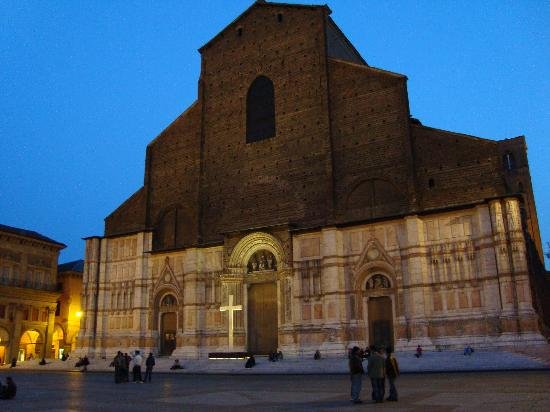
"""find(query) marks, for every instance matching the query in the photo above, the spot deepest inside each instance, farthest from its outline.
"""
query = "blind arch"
(260, 110)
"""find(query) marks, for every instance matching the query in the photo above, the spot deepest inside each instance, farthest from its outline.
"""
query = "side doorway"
(380, 321)
(168, 324)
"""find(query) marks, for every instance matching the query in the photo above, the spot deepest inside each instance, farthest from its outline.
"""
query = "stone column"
(334, 304)
(86, 334)
(102, 319)
(16, 336)
(414, 299)
(49, 332)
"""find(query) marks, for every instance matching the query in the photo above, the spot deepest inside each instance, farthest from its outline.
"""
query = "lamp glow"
(78, 314)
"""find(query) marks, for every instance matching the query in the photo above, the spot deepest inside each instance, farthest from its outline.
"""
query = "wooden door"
(262, 318)
(168, 333)
(380, 321)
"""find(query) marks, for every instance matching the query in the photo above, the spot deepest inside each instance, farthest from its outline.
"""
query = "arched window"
(509, 161)
(260, 110)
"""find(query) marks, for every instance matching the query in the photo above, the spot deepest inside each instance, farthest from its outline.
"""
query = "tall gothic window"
(260, 110)
(509, 161)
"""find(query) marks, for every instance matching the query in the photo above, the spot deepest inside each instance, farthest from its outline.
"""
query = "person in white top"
(137, 360)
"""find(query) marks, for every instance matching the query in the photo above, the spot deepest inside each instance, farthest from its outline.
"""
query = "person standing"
(392, 372)
(119, 363)
(149, 363)
(356, 373)
(377, 375)
(138, 360)
(126, 372)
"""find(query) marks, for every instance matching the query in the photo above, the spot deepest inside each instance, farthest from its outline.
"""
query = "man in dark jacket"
(377, 374)
(356, 373)
(149, 363)
(392, 372)
(8, 391)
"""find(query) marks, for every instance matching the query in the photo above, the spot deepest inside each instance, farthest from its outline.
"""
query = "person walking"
(377, 375)
(356, 373)
(149, 363)
(137, 361)
(392, 372)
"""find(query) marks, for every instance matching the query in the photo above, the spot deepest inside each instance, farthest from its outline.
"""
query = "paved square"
(65, 391)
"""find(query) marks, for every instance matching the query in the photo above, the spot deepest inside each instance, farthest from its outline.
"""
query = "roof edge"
(261, 3)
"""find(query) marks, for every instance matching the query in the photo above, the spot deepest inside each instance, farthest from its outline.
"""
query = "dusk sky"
(86, 85)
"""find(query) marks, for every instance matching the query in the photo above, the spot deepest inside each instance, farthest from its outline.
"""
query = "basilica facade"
(297, 206)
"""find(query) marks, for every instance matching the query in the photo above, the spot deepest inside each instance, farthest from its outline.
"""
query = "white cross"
(231, 309)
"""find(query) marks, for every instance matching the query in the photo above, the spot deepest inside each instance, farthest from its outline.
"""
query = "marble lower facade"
(443, 280)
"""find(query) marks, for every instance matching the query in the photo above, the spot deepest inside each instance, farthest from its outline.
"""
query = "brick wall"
(278, 180)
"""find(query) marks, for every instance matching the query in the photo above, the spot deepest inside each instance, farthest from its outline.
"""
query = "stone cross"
(231, 309)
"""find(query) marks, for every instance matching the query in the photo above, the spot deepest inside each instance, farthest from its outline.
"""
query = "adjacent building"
(296, 205)
(39, 300)
(28, 293)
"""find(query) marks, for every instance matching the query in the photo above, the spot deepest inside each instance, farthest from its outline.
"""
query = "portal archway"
(259, 259)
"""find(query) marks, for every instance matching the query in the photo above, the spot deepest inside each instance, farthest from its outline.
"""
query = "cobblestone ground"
(484, 391)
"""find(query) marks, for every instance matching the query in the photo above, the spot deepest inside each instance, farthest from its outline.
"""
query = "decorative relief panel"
(378, 282)
(262, 261)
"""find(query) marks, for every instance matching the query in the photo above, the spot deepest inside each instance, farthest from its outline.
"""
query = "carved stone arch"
(373, 258)
(254, 242)
(371, 269)
(167, 278)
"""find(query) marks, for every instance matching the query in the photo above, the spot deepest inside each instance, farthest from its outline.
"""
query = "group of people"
(378, 369)
(82, 363)
(275, 356)
(123, 362)
(8, 390)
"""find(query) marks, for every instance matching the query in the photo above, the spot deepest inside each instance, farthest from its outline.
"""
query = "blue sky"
(85, 85)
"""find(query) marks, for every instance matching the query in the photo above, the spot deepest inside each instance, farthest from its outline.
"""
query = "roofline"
(11, 230)
(262, 3)
(129, 199)
(455, 133)
(348, 42)
(173, 121)
(367, 67)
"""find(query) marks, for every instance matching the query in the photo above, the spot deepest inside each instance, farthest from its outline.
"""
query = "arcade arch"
(31, 345)
(4, 345)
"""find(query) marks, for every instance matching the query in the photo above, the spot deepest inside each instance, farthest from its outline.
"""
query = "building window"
(509, 161)
(2, 311)
(431, 183)
(310, 271)
(260, 110)
(279, 17)
(58, 308)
